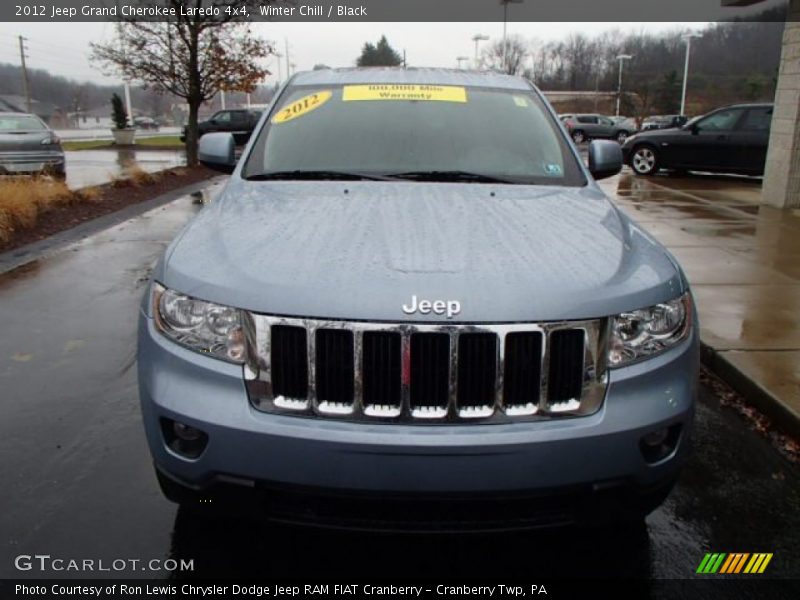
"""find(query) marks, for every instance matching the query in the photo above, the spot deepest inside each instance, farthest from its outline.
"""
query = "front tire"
(644, 160)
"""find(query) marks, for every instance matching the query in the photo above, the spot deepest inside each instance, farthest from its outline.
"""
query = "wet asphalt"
(78, 481)
(87, 168)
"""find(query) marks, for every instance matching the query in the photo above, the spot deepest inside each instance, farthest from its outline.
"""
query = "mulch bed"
(111, 200)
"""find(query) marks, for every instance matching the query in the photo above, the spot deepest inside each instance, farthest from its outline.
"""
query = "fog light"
(183, 439)
(660, 444)
(656, 438)
(186, 433)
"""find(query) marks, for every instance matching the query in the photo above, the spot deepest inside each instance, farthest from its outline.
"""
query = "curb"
(50, 245)
(783, 417)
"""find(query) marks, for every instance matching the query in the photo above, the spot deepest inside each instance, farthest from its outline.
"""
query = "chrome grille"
(434, 373)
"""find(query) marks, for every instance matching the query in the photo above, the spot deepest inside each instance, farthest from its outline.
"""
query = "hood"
(655, 134)
(361, 250)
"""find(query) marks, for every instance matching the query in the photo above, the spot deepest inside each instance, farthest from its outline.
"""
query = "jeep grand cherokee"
(412, 293)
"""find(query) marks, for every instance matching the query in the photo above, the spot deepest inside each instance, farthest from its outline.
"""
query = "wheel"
(644, 160)
(622, 136)
(578, 137)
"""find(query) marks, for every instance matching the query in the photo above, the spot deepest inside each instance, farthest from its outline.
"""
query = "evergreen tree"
(379, 55)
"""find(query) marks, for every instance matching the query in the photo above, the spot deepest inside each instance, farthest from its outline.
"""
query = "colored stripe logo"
(734, 563)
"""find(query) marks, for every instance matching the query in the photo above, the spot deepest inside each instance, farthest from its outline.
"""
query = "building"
(13, 103)
(782, 177)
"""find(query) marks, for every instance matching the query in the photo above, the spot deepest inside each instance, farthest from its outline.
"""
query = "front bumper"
(626, 152)
(32, 162)
(260, 449)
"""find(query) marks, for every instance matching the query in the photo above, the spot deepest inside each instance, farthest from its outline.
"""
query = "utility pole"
(286, 47)
(25, 83)
(278, 56)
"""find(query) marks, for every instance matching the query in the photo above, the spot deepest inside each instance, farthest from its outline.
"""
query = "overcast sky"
(62, 48)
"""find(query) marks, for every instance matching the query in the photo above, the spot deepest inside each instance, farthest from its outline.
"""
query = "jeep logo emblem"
(438, 307)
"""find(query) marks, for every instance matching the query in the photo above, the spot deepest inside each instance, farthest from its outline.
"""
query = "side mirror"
(605, 158)
(694, 128)
(217, 151)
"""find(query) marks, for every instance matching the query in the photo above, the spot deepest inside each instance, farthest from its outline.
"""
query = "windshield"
(20, 123)
(422, 132)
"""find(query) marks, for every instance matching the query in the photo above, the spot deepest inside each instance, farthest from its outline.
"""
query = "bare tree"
(515, 52)
(192, 56)
(579, 52)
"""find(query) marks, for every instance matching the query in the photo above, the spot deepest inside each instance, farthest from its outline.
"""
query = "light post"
(478, 37)
(621, 58)
(505, 4)
(687, 37)
(461, 60)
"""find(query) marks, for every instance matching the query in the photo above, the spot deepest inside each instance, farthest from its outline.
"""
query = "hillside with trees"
(732, 62)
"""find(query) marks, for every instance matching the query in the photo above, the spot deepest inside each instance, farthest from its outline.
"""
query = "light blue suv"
(412, 300)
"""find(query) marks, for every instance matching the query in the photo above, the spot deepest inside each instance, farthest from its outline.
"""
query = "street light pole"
(460, 60)
(688, 39)
(505, 3)
(621, 58)
(478, 37)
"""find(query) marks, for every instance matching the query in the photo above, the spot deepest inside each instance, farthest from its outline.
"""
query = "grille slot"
(288, 352)
(565, 376)
(335, 370)
(435, 372)
(477, 373)
(381, 370)
(430, 373)
(523, 371)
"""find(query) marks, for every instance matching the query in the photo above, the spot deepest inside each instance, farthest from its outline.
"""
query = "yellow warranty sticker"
(303, 106)
(394, 91)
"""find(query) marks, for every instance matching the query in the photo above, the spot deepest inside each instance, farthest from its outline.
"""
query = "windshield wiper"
(301, 175)
(450, 176)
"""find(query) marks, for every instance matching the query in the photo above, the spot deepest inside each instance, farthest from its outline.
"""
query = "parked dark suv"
(239, 122)
(586, 127)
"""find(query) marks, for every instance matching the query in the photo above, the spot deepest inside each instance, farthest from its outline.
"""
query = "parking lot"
(78, 464)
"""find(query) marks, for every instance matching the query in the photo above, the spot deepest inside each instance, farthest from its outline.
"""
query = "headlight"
(202, 326)
(641, 334)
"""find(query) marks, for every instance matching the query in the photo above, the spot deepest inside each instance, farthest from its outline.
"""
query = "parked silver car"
(584, 127)
(410, 300)
(29, 146)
